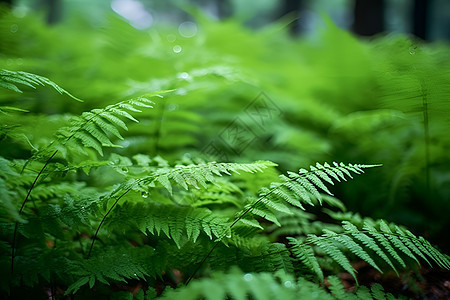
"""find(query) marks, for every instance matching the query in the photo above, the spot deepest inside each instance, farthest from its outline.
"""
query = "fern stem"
(104, 218)
(13, 244)
(202, 262)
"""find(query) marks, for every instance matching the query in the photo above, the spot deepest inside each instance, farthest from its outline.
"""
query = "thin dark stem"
(104, 218)
(13, 244)
(202, 262)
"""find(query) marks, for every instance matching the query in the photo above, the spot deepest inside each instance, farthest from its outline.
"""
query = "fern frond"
(376, 291)
(114, 264)
(241, 286)
(332, 249)
(9, 79)
(197, 175)
(305, 254)
(369, 244)
(185, 176)
(176, 222)
(92, 129)
(299, 188)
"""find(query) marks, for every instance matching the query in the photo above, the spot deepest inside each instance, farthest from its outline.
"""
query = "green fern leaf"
(326, 245)
(384, 242)
(337, 289)
(195, 174)
(353, 247)
(304, 186)
(368, 242)
(305, 254)
(114, 264)
(240, 286)
(9, 79)
(377, 240)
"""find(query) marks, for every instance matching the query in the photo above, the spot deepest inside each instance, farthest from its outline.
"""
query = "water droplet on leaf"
(248, 277)
(288, 284)
(177, 48)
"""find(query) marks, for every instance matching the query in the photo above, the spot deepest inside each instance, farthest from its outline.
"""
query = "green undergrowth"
(130, 170)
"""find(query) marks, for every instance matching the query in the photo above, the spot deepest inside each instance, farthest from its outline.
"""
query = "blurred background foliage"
(255, 80)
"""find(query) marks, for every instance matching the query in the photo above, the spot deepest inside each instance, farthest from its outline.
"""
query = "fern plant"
(164, 234)
(90, 212)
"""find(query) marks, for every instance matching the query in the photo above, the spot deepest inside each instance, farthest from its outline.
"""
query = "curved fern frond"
(93, 129)
(9, 79)
(185, 176)
(370, 244)
(299, 188)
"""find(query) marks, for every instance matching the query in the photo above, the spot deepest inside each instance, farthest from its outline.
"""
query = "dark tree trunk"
(368, 17)
(420, 18)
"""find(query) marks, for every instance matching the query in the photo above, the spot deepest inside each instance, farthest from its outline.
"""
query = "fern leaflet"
(179, 223)
(299, 188)
(9, 79)
(191, 175)
(369, 244)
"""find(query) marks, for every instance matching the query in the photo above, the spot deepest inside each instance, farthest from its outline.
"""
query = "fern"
(155, 221)
(370, 244)
(10, 79)
(92, 129)
(185, 176)
(299, 188)
(114, 264)
(375, 292)
(181, 224)
(238, 285)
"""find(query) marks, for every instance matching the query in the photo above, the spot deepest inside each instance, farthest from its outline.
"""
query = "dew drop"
(288, 284)
(144, 194)
(248, 277)
(184, 75)
(412, 52)
(125, 169)
(177, 48)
